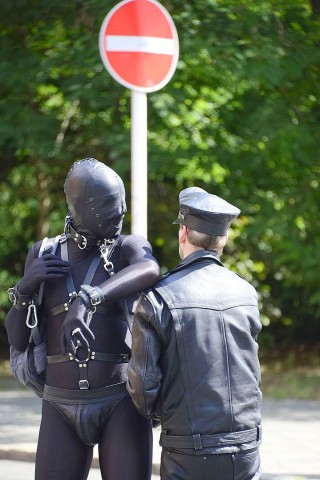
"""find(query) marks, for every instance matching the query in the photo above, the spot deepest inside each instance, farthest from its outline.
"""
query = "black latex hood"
(95, 196)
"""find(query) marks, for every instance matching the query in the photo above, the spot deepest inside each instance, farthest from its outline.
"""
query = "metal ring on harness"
(85, 360)
(84, 242)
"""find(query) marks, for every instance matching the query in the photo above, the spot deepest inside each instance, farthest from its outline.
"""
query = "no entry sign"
(139, 45)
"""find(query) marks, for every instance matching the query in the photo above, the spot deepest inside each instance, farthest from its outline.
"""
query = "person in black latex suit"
(75, 419)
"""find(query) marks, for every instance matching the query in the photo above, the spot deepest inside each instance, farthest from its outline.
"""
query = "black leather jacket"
(195, 358)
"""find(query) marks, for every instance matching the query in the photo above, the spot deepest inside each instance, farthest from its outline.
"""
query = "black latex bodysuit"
(124, 445)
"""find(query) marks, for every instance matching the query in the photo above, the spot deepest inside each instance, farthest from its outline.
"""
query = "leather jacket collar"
(196, 257)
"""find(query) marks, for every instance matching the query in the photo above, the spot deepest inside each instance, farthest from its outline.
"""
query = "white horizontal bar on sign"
(127, 43)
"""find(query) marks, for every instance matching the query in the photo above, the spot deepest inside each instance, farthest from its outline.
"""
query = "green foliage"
(240, 118)
(246, 127)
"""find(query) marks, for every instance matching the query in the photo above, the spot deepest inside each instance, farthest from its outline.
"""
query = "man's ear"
(182, 233)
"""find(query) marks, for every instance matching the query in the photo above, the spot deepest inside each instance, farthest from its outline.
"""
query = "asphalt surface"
(290, 445)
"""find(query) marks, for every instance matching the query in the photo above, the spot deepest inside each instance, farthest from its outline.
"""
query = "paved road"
(290, 448)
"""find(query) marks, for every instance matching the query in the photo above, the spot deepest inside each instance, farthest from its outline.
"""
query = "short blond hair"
(206, 241)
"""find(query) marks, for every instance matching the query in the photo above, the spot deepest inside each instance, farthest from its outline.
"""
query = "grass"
(5, 368)
(7, 380)
(294, 373)
(301, 383)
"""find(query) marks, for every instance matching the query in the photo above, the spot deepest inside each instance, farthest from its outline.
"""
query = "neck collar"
(84, 242)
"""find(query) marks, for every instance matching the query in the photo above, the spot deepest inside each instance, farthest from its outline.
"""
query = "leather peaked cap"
(205, 213)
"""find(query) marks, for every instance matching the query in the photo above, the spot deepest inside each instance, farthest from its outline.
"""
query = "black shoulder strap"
(89, 275)
(47, 245)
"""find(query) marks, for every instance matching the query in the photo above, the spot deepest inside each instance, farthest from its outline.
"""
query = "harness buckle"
(83, 384)
(64, 237)
(196, 438)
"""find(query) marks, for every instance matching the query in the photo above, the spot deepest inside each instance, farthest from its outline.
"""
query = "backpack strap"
(48, 245)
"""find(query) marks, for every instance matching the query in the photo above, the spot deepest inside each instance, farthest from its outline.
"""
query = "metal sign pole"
(139, 164)
(141, 55)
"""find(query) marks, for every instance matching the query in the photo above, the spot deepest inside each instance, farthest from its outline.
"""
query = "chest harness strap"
(83, 363)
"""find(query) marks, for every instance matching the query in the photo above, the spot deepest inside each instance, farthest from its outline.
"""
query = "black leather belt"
(198, 441)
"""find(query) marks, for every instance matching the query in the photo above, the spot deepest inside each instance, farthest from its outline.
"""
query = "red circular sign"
(139, 45)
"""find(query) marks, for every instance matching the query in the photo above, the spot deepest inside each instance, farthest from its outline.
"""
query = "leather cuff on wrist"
(85, 299)
(94, 294)
(20, 302)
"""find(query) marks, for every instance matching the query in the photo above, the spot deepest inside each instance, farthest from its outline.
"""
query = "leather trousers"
(243, 465)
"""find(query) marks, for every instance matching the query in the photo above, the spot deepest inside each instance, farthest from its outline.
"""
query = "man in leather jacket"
(194, 364)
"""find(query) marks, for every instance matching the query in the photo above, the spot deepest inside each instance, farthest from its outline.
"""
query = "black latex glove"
(42, 269)
(75, 321)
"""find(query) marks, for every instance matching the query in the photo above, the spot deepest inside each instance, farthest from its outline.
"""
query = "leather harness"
(83, 363)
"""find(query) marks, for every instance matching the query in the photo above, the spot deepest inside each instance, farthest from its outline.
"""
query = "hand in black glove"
(74, 328)
(40, 270)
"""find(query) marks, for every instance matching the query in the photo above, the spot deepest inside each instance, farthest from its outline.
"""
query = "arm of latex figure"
(142, 272)
(144, 374)
(37, 270)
